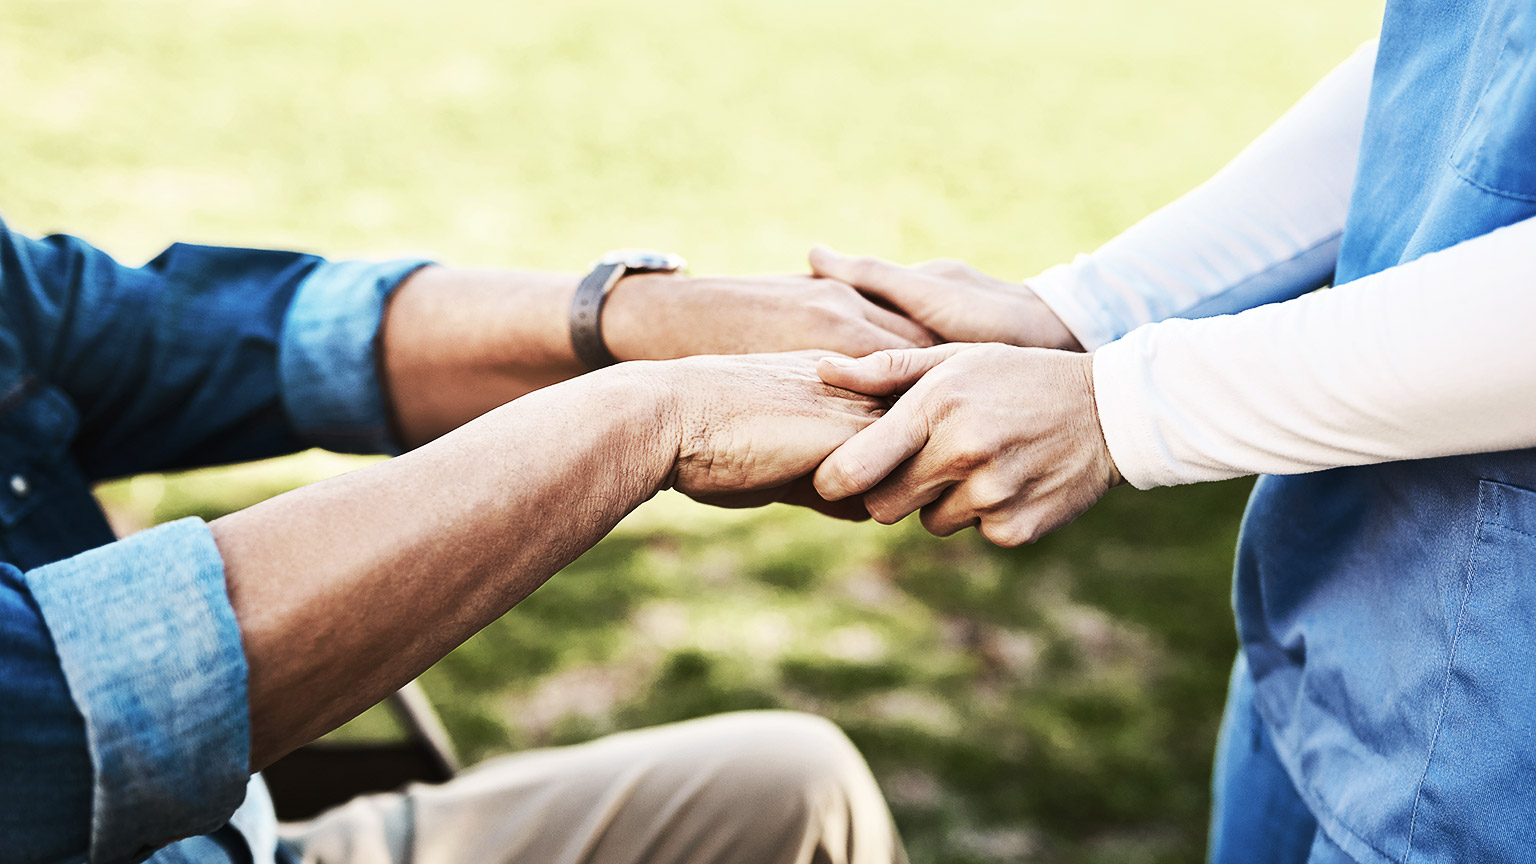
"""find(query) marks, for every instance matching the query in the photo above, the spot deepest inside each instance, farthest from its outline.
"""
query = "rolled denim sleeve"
(329, 359)
(150, 650)
(204, 355)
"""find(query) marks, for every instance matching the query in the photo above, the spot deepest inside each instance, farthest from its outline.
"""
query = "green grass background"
(1056, 703)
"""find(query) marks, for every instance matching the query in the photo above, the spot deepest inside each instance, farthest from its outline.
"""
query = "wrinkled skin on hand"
(953, 300)
(1003, 438)
(752, 428)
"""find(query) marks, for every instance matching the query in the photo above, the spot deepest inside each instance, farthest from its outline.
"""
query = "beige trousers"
(760, 787)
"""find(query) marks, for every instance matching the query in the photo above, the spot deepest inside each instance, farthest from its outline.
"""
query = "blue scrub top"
(1388, 612)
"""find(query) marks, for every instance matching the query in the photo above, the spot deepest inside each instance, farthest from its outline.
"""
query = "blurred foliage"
(1056, 703)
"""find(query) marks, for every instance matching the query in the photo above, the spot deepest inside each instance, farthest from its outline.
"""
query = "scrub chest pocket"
(1497, 150)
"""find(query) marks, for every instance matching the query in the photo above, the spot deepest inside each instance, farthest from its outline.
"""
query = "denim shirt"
(123, 715)
(1388, 612)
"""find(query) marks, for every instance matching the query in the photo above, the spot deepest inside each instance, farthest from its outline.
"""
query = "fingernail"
(840, 362)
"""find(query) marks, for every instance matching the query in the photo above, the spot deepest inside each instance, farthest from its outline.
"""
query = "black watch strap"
(587, 315)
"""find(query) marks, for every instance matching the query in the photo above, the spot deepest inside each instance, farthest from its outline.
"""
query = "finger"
(1044, 508)
(743, 500)
(950, 267)
(951, 513)
(914, 484)
(911, 332)
(884, 373)
(862, 338)
(873, 452)
(907, 289)
(799, 493)
(802, 494)
(986, 493)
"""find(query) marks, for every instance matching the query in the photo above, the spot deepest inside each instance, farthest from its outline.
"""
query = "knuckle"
(971, 448)
(903, 363)
(950, 391)
(991, 493)
(893, 360)
(1017, 531)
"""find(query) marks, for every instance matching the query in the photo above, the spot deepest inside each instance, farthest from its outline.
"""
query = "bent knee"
(807, 788)
(790, 751)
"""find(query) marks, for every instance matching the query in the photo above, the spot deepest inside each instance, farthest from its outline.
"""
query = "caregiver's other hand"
(657, 316)
(953, 299)
(1003, 438)
(747, 428)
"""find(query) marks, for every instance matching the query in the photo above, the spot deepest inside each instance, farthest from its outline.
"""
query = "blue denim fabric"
(1258, 818)
(1388, 613)
(327, 358)
(159, 683)
(123, 717)
(1256, 815)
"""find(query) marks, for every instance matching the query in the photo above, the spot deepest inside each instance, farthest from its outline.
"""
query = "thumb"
(886, 373)
(862, 461)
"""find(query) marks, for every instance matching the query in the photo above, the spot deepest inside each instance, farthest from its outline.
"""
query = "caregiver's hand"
(654, 316)
(1000, 437)
(954, 300)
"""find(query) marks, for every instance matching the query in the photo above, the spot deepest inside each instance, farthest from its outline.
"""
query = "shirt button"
(20, 486)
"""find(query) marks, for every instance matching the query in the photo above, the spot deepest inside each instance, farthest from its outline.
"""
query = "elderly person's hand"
(750, 429)
(1003, 438)
(954, 300)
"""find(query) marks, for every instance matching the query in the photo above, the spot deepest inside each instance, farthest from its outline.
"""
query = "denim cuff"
(328, 357)
(152, 654)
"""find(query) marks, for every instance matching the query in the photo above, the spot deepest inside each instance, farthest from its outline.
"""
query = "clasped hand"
(998, 436)
(1004, 437)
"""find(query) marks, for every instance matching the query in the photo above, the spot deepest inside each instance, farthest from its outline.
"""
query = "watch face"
(643, 260)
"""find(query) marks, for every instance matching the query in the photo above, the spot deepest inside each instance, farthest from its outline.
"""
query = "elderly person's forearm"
(349, 588)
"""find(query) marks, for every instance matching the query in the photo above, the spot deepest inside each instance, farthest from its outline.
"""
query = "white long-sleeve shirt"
(1430, 358)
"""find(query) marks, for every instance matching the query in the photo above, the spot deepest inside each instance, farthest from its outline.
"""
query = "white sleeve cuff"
(1088, 321)
(1123, 391)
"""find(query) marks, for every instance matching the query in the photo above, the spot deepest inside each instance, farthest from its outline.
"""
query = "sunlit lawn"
(1055, 703)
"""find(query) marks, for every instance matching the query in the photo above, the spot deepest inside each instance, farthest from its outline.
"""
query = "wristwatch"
(592, 293)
